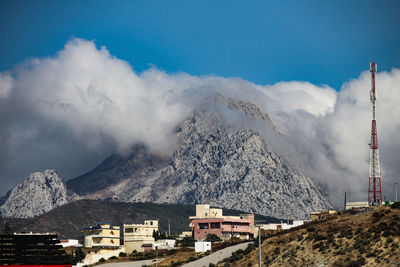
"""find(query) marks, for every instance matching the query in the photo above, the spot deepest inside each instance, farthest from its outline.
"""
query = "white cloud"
(6, 84)
(71, 110)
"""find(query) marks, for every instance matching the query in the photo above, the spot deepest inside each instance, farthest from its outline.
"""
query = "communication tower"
(374, 185)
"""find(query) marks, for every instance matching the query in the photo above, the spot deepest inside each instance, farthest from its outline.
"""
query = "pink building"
(211, 221)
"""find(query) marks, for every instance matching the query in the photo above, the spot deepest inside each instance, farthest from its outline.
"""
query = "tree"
(187, 241)
(7, 229)
(212, 238)
(79, 255)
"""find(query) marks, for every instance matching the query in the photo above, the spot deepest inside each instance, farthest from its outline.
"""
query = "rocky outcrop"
(224, 163)
(38, 194)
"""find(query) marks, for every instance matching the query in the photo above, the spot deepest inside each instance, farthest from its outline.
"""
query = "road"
(129, 263)
(216, 256)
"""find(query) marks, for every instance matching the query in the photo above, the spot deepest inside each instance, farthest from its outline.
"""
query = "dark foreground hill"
(67, 220)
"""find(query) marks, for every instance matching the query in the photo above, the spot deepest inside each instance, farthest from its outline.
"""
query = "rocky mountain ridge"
(223, 157)
(38, 194)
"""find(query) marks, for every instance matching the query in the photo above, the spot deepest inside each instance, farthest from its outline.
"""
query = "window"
(129, 230)
(215, 225)
(151, 223)
(203, 225)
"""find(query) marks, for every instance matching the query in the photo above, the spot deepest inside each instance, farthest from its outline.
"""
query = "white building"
(164, 244)
(202, 246)
(356, 205)
(280, 226)
(69, 242)
(136, 235)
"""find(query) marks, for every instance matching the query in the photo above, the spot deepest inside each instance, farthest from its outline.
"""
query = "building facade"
(102, 240)
(211, 221)
(322, 215)
(139, 236)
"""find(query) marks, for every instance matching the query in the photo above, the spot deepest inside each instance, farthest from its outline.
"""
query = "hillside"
(371, 239)
(67, 220)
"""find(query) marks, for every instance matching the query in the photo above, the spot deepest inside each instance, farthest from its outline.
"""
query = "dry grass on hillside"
(364, 239)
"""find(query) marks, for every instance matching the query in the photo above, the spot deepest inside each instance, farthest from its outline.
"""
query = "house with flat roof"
(139, 237)
(100, 241)
(212, 221)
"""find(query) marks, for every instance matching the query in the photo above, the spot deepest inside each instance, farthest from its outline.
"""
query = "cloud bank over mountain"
(71, 110)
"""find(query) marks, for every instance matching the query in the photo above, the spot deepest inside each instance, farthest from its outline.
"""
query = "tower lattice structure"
(374, 187)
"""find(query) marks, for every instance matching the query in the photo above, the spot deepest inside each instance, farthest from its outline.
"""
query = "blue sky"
(323, 42)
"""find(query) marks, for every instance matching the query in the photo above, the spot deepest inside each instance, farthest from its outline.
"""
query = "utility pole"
(395, 187)
(169, 228)
(345, 200)
(259, 241)
(259, 246)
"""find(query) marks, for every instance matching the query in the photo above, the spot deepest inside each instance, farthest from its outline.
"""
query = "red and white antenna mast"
(374, 187)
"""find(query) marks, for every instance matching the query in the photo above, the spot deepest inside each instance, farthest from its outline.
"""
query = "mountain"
(116, 168)
(39, 193)
(68, 220)
(222, 157)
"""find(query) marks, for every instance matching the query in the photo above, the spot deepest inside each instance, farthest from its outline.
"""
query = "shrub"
(395, 205)
(122, 254)
(277, 251)
(113, 258)
(299, 238)
(310, 229)
(319, 237)
(187, 242)
(102, 260)
(386, 233)
(192, 258)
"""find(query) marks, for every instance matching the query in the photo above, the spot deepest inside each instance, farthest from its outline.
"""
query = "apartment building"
(139, 236)
(101, 240)
(212, 221)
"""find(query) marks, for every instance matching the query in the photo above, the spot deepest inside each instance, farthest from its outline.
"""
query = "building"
(211, 221)
(281, 225)
(69, 245)
(164, 244)
(100, 241)
(32, 249)
(139, 236)
(202, 246)
(321, 215)
(185, 234)
(356, 205)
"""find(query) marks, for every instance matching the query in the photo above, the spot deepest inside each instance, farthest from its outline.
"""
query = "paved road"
(129, 263)
(216, 256)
